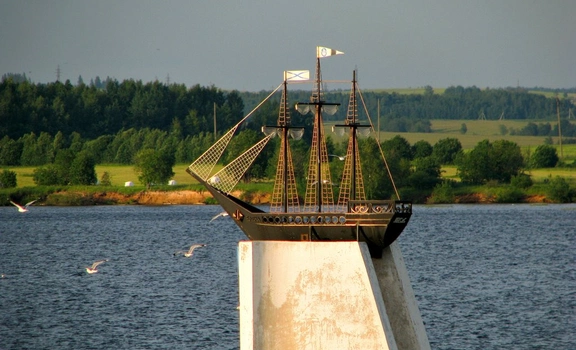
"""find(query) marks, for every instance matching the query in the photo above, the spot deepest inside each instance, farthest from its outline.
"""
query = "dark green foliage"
(446, 150)
(29, 156)
(192, 147)
(497, 161)
(57, 173)
(544, 156)
(546, 129)
(241, 143)
(521, 181)
(10, 151)
(106, 179)
(105, 108)
(46, 176)
(506, 194)
(558, 190)
(79, 115)
(397, 147)
(426, 173)
(62, 163)
(8, 179)
(377, 182)
(463, 129)
(443, 193)
(154, 167)
(421, 149)
(82, 170)
(97, 148)
(411, 113)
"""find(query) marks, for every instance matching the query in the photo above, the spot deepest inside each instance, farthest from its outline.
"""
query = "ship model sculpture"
(352, 217)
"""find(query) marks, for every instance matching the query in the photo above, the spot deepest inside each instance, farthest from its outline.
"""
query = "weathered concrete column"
(401, 305)
(314, 295)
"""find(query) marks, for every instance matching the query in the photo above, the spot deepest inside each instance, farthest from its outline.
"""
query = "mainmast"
(319, 193)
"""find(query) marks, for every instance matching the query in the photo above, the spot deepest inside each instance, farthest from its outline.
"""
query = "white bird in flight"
(190, 251)
(339, 157)
(219, 215)
(93, 269)
(24, 208)
(326, 182)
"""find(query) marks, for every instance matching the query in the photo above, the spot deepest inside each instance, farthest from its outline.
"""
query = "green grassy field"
(478, 130)
(123, 173)
(119, 175)
(538, 175)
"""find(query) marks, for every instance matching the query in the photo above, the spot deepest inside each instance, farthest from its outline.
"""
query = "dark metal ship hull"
(378, 223)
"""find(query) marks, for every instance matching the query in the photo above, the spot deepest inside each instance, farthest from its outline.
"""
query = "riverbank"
(191, 197)
(181, 197)
(85, 196)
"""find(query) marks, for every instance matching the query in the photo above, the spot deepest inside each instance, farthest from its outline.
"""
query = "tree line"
(92, 112)
(545, 129)
(110, 106)
(416, 168)
(65, 130)
(413, 112)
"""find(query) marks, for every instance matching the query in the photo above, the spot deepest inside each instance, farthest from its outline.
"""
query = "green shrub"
(8, 179)
(210, 200)
(47, 176)
(521, 181)
(507, 195)
(442, 194)
(106, 179)
(544, 156)
(558, 190)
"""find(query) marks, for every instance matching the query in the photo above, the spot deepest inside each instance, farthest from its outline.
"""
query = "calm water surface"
(485, 276)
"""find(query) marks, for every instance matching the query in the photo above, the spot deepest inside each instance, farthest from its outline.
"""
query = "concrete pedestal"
(325, 295)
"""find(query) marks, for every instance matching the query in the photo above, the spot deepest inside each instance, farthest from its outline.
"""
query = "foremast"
(285, 194)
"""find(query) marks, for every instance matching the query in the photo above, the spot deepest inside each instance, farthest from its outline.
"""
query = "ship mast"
(319, 184)
(352, 184)
(283, 123)
(284, 195)
(316, 98)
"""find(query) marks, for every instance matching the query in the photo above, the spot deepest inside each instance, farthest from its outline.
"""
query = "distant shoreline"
(203, 197)
(179, 197)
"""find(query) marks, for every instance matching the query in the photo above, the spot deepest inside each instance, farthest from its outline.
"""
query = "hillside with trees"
(65, 130)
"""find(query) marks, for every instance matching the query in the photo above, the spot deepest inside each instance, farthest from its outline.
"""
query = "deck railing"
(379, 206)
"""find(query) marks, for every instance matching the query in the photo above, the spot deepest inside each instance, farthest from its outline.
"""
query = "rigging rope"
(204, 165)
(378, 143)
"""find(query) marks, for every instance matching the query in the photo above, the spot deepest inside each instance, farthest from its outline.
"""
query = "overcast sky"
(247, 44)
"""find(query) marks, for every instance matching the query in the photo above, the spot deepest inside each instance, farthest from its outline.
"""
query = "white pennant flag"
(326, 51)
(296, 75)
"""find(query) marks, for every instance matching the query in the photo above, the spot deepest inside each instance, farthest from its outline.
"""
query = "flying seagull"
(24, 208)
(92, 269)
(339, 157)
(190, 251)
(219, 215)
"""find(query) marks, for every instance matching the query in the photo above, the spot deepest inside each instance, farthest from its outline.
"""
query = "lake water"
(485, 277)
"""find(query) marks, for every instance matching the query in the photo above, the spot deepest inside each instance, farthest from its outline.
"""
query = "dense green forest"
(412, 112)
(114, 120)
(66, 129)
(105, 108)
